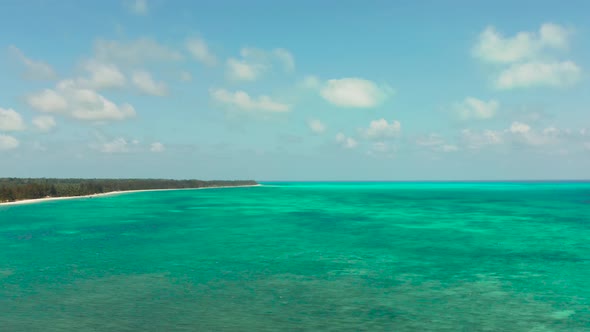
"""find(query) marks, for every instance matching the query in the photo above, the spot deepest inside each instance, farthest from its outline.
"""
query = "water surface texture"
(304, 257)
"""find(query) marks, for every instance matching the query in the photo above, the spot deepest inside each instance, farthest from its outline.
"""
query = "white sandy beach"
(39, 200)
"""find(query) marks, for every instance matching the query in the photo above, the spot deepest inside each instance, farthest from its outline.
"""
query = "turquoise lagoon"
(302, 257)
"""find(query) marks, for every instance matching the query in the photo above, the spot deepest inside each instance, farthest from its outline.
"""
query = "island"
(19, 189)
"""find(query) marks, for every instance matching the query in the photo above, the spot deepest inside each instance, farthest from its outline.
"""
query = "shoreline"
(112, 193)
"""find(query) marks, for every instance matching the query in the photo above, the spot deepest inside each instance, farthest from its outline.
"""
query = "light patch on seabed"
(564, 314)
(4, 273)
(68, 232)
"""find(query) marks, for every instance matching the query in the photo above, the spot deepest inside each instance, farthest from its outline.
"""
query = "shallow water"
(302, 256)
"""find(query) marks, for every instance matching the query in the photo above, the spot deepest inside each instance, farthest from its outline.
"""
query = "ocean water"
(302, 257)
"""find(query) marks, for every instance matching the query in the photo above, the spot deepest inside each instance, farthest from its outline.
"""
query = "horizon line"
(426, 181)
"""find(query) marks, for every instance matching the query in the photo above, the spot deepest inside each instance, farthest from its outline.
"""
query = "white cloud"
(157, 147)
(102, 76)
(38, 70)
(430, 140)
(200, 51)
(8, 142)
(528, 53)
(493, 47)
(242, 100)
(473, 108)
(519, 133)
(134, 52)
(44, 123)
(382, 149)
(449, 148)
(316, 126)
(139, 7)
(48, 101)
(476, 140)
(379, 129)
(10, 120)
(286, 58)
(529, 74)
(311, 82)
(241, 70)
(146, 84)
(355, 92)
(186, 76)
(346, 142)
(554, 35)
(80, 103)
(118, 145)
(254, 62)
(522, 133)
(436, 143)
(519, 128)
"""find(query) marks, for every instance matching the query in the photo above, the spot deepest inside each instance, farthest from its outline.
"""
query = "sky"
(295, 90)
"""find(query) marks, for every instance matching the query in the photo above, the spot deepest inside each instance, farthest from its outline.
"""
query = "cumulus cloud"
(44, 123)
(493, 47)
(522, 134)
(118, 145)
(102, 76)
(435, 142)
(382, 149)
(254, 62)
(146, 84)
(241, 70)
(346, 142)
(37, 70)
(316, 126)
(157, 147)
(529, 74)
(519, 128)
(311, 82)
(198, 48)
(10, 120)
(476, 140)
(241, 100)
(81, 103)
(287, 59)
(473, 108)
(186, 76)
(8, 143)
(355, 93)
(528, 57)
(380, 129)
(48, 101)
(134, 52)
(138, 7)
(449, 148)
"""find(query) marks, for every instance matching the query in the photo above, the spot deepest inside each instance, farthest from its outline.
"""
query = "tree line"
(13, 189)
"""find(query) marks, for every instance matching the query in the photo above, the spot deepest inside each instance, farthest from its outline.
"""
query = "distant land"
(17, 189)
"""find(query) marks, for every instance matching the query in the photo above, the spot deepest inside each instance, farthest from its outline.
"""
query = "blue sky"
(306, 90)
